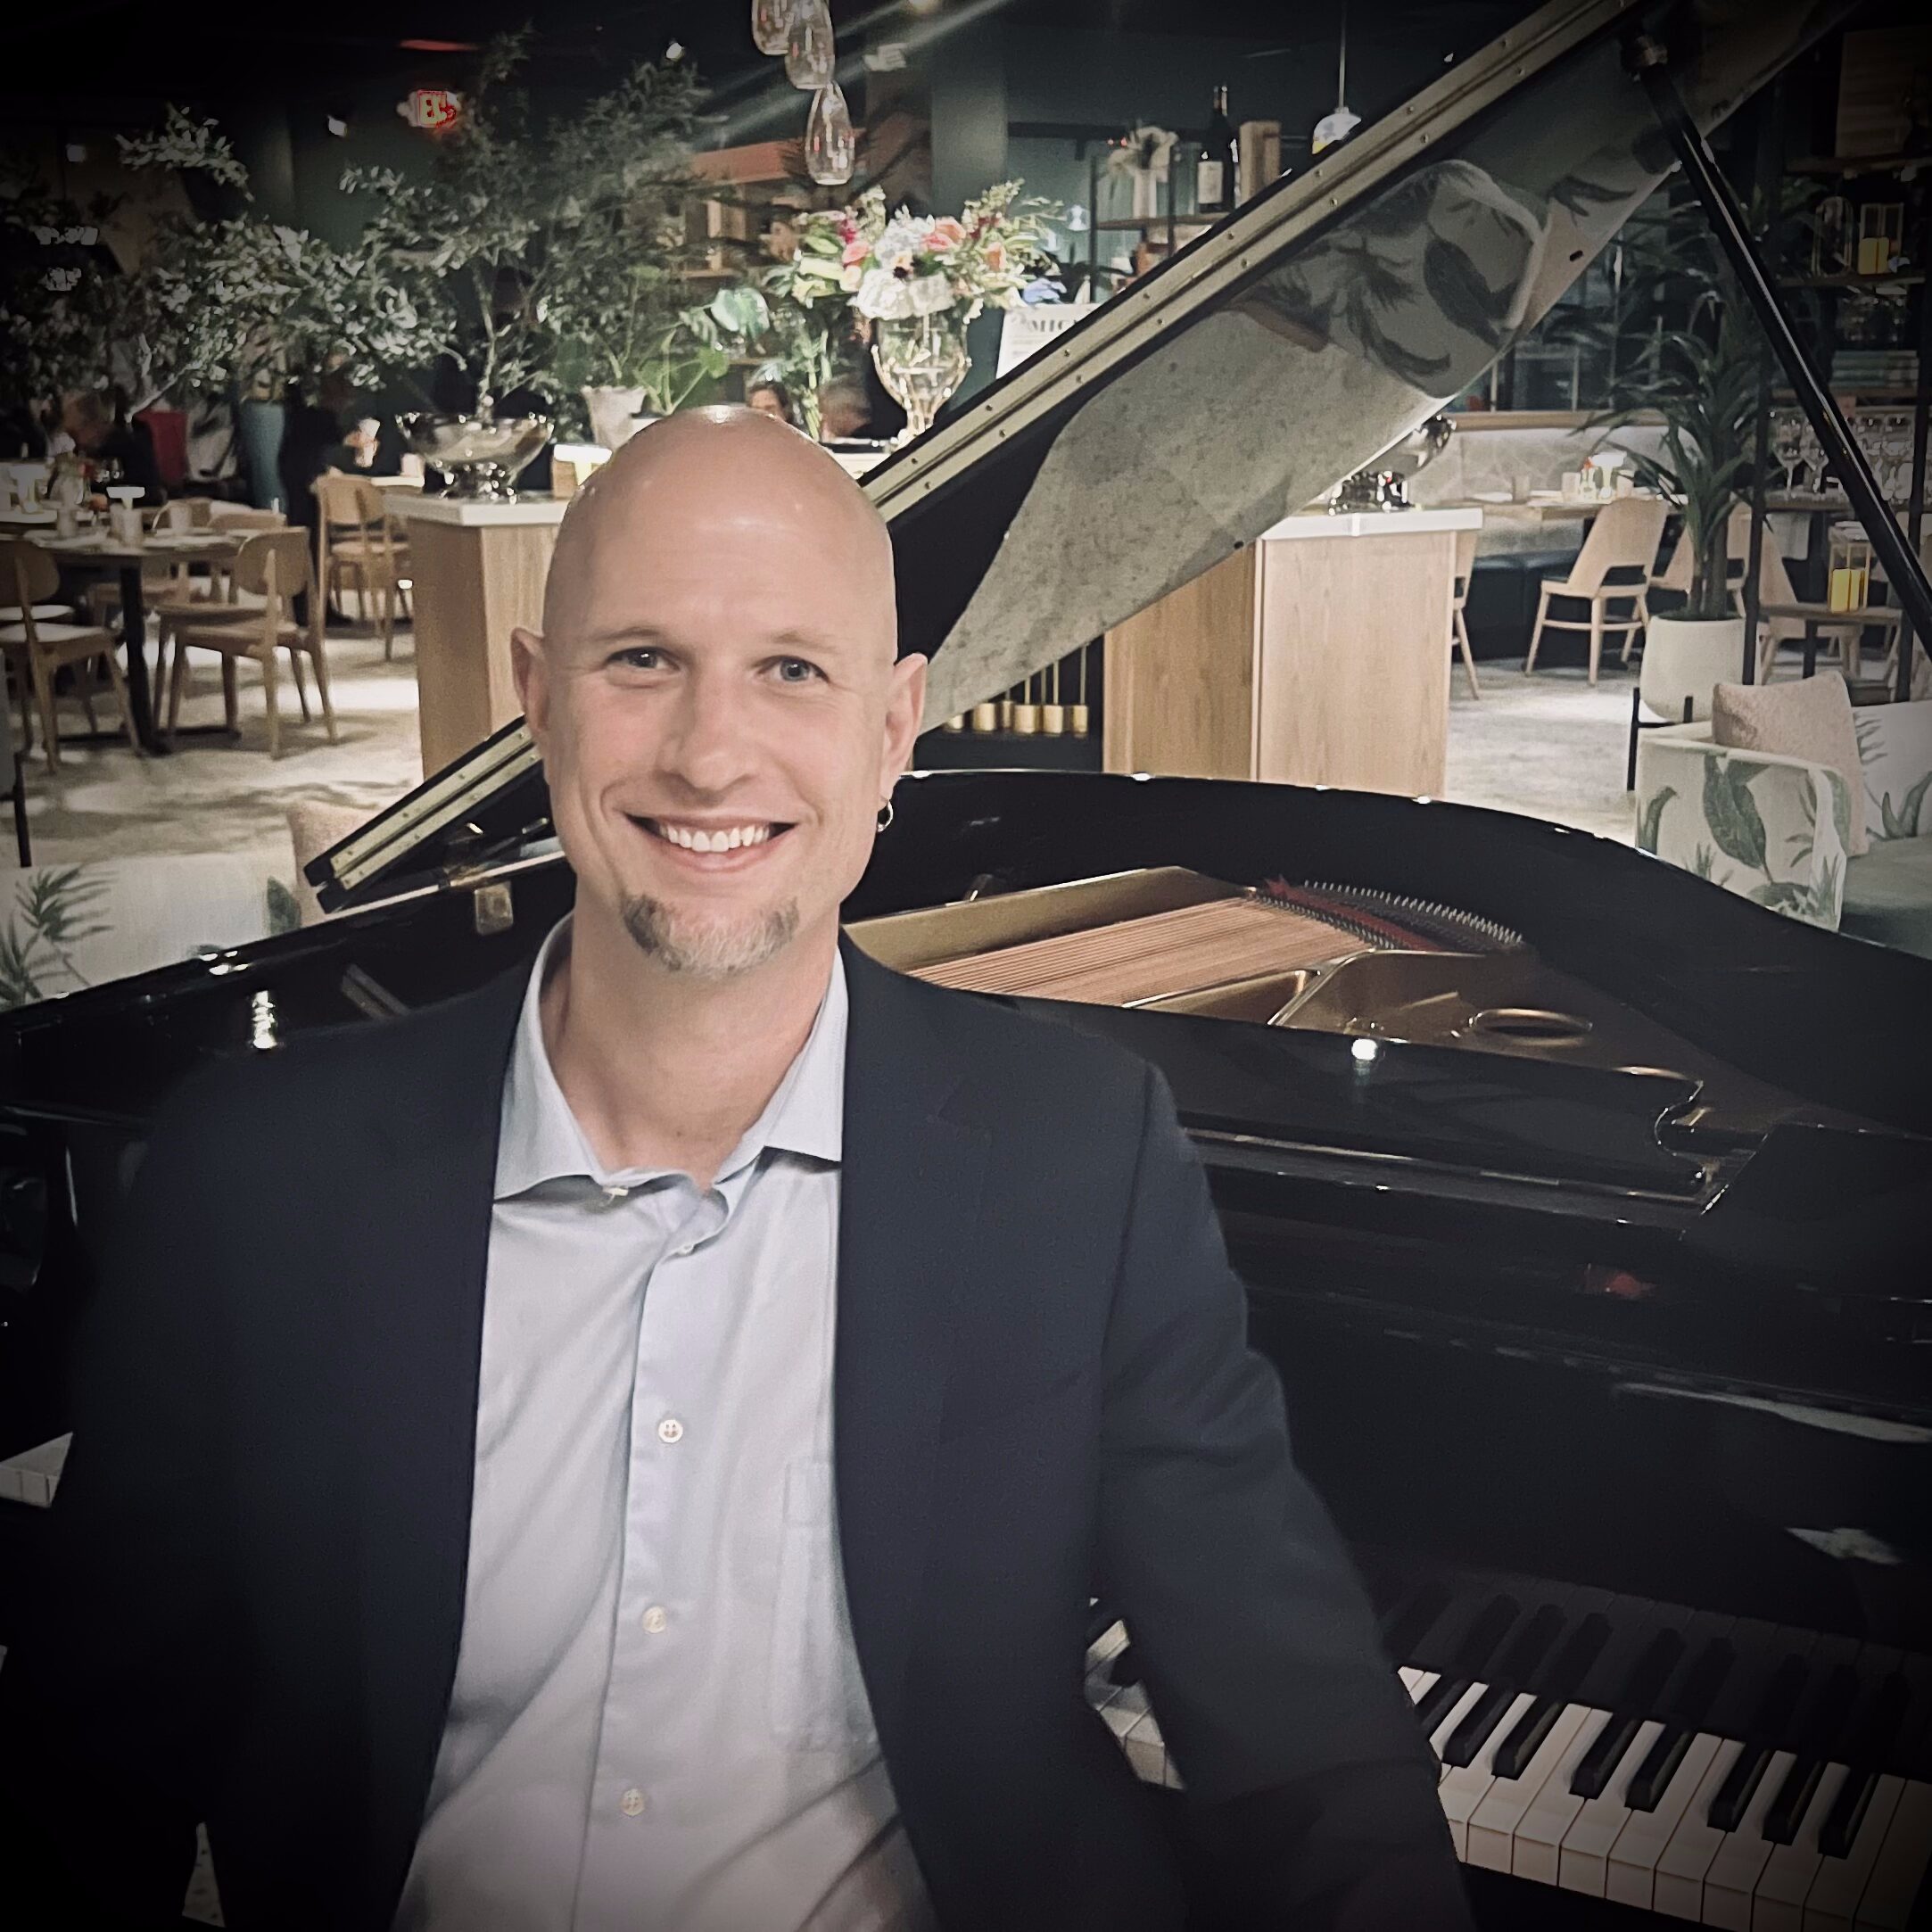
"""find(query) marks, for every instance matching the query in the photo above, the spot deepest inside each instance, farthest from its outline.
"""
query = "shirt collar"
(540, 1140)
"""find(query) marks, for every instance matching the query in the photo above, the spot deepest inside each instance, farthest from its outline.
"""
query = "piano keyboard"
(1700, 1768)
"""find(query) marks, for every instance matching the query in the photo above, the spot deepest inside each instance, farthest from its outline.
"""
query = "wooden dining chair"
(1465, 563)
(356, 536)
(39, 648)
(1610, 578)
(274, 566)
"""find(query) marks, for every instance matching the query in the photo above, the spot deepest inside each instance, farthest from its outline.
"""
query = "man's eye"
(797, 671)
(641, 658)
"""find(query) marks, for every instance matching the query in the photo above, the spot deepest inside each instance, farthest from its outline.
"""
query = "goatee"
(717, 951)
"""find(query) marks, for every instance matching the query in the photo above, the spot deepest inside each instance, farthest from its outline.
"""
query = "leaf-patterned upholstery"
(1775, 828)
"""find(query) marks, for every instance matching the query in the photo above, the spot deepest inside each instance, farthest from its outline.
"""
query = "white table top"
(1372, 523)
(471, 513)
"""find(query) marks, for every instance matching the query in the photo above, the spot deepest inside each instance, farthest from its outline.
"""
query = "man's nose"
(708, 742)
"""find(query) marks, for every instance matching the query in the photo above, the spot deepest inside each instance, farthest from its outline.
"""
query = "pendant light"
(1343, 122)
(830, 148)
(810, 57)
(771, 24)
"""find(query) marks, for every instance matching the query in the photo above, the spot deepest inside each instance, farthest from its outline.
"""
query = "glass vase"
(811, 55)
(921, 361)
(771, 25)
(830, 146)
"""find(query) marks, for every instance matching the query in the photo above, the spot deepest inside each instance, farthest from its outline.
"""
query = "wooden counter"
(478, 571)
(1318, 656)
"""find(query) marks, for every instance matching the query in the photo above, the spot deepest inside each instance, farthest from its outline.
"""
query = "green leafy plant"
(554, 251)
(54, 909)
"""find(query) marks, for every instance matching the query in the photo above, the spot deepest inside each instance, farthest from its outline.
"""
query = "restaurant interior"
(1420, 502)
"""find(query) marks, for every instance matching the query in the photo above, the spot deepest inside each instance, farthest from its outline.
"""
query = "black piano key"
(1640, 1690)
(1847, 1814)
(1124, 1667)
(1687, 1702)
(1768, 1720)
(1821, 1727)
(1654, 1775)
(1580, 1649)
(1512, 1671)
(1874, 1735)
(1439, 1699)
(1414, 1619)
(1474, 1732)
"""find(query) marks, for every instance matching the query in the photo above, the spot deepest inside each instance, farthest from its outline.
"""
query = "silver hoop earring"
(885, 814)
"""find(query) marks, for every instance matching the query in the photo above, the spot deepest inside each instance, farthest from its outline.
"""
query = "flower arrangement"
(1144, 150)
(894, 268)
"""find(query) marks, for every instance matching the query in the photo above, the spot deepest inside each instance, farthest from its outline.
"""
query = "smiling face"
(715, 694)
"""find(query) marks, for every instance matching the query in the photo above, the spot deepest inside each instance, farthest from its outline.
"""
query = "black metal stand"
(1902, 568)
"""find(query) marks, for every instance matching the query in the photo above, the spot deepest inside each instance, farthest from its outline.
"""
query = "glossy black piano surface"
(1588, 1232)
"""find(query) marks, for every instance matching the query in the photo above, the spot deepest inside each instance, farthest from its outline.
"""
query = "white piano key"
(1533, 1854)
(1146, 1752)
(1418, 1683)
(1409, 1673)
(1679, 1892)
(1741, 1858)
(1900, 1868)
(1465, 1786)
(1492, 1825)
(1632, 1879)
(1792, 1870)
(1583, 1864)
(1833, 1899)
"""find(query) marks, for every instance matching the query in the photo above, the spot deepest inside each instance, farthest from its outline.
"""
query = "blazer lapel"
(419, 1310)
(910, 1186)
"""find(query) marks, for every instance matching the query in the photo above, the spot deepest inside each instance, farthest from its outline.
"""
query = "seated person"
(770, 397)
(844, 410)
(103, 435)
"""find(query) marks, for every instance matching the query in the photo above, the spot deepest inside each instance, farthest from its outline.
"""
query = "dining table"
(97, 553)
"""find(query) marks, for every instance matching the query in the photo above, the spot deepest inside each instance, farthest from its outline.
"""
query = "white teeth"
(697, 838)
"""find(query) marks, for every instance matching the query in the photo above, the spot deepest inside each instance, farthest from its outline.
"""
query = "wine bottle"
(1214, 178)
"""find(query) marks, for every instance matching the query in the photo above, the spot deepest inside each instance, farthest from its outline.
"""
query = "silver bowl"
(482, 458)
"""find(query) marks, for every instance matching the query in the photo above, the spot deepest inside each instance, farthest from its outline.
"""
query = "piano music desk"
(1318, 656)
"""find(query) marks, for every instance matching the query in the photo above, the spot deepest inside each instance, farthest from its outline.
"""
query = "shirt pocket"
(816, 1698)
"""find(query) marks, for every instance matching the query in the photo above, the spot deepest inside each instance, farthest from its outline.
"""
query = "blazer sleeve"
(1310, 1790)
(113, 1694)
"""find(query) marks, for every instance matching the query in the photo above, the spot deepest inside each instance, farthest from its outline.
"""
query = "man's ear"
(531, 672)
(905, 706)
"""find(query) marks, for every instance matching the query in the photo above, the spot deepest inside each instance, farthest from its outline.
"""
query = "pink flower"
(946, 233)
(994, 255)
(856, 249)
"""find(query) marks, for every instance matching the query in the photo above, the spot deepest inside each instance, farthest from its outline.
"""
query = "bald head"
(717, 694)
(720, 478)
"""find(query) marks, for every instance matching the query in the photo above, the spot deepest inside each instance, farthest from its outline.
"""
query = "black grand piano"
(1583, 1206)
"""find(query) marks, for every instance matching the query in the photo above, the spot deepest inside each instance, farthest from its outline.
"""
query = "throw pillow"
(1808, 718)
(313, 829)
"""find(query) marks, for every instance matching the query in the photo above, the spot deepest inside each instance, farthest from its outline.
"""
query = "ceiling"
(89, 60)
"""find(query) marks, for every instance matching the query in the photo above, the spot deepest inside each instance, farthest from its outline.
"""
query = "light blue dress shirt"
(659, 1722)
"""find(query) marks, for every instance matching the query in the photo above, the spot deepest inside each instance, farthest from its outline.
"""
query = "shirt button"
(632, 1802)
(671, 1429)
(656, 1618)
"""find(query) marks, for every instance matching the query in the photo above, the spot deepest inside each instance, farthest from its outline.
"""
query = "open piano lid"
(1278, 353)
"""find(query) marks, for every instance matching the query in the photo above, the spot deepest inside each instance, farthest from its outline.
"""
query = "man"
(844, 412)
(100, 434)
(635, 1446)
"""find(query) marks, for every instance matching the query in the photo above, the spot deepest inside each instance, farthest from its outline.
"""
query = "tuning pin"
(1076, 716)
(986, 716)
(1052, 720)
(1026, 719)
(830, 148)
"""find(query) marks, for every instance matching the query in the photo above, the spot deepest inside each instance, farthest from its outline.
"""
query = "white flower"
(884, 296)
(931, 294)
(902, 238)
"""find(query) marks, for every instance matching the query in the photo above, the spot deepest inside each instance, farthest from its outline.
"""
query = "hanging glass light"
(810, 56)
(771, 24)
(830, 146)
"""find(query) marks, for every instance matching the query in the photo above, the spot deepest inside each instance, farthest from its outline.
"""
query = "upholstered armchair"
(1776, 829)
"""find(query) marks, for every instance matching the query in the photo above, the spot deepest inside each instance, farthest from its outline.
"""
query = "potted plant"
(546, 254)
